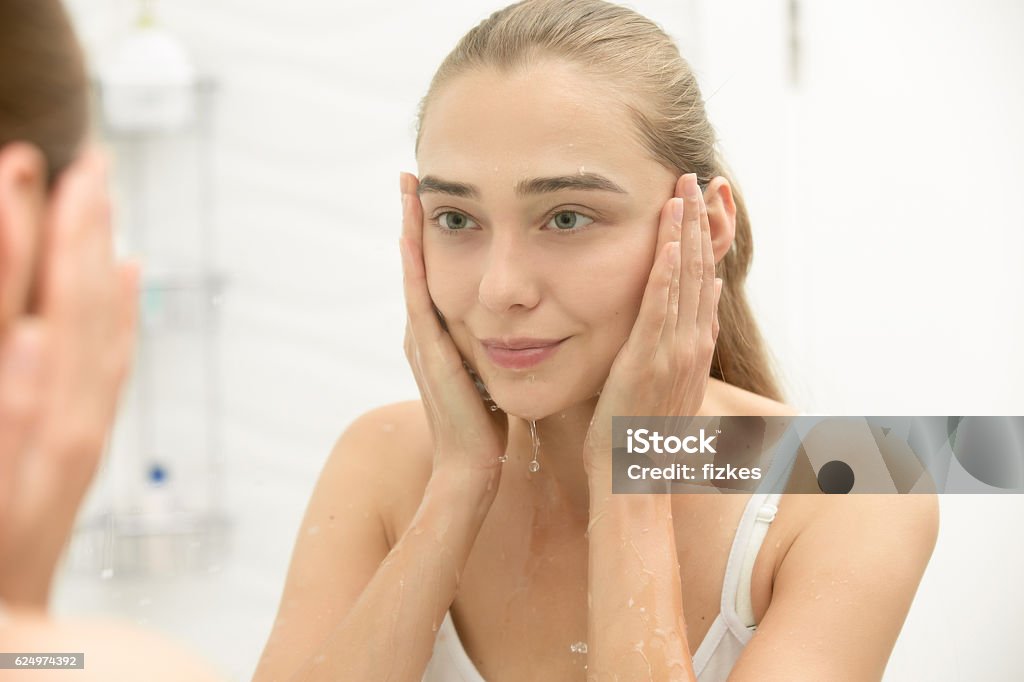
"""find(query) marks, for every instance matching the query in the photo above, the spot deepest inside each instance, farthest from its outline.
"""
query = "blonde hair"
(634, 55)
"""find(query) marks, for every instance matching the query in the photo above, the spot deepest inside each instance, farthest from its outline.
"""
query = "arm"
(636, 628)
(351, 609)
(843, 590)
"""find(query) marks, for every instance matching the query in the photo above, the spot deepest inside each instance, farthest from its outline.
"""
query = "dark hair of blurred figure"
(43, 86)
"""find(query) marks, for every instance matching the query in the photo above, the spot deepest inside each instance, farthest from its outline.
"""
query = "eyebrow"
(582, 181)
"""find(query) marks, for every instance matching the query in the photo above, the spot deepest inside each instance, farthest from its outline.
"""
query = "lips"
(519, 343)
(520, 352)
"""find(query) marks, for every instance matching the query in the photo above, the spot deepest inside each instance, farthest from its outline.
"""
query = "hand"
(663, 367)
(469, 437)
(61, 370)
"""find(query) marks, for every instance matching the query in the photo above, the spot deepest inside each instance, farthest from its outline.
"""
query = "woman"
(67, 325)
(575, 247)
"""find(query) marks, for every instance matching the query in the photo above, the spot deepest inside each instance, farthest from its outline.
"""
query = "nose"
(509, 278)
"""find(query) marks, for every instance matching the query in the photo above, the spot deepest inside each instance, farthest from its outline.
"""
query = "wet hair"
(640, 62)
(43, 86)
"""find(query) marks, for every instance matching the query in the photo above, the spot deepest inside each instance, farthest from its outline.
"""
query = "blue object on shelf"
(157, 474)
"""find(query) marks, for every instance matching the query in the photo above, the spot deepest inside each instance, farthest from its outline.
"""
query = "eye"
(569, 221)
(453, 221)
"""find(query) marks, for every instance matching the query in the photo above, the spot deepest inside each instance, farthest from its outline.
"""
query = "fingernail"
(677, 211)
(401, 182)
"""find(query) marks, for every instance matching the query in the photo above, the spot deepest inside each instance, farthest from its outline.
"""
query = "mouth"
(520, 353)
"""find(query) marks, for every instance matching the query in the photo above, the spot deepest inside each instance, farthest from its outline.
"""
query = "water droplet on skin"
(493, 408)
(534, 464)
(503, 458)
(578, 647)
(313, 530)
(388, 428)
(630, 604)
(531, 378)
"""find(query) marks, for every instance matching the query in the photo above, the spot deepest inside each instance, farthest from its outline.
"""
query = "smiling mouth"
(521, 353)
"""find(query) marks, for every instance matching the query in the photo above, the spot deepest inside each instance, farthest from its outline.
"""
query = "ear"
(22, 204)
(721, 215)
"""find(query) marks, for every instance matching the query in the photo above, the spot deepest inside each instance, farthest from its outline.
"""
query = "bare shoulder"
(115, 651)
(859, 522)
(397, 439)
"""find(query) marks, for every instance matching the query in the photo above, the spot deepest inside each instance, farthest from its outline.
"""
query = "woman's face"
(541, 212)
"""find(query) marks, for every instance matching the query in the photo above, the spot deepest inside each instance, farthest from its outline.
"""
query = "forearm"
(389, 632)
(636, 629)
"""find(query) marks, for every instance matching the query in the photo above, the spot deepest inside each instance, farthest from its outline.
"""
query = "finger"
(669, 230)
(21, 398)
(718, 297)
(424, 325)
(77, 231)
(412, 229)
(706, 304)
(674, 214)
(646, 333)
(692, 259)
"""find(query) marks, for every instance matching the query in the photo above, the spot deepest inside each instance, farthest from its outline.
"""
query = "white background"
(884, 193)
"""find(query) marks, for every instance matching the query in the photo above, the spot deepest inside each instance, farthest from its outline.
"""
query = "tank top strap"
(736, 608)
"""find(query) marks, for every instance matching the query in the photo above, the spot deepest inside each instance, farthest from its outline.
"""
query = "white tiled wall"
(888, 240)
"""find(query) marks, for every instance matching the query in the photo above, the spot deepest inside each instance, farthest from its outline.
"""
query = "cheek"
(609, 284)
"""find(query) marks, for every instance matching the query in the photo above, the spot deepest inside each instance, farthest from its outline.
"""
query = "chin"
(534, 402)
(526, 407)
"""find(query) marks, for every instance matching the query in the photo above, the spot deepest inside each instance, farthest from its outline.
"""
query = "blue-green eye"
(569, 221)
(453, 221)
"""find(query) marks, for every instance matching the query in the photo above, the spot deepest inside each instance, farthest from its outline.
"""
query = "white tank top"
(721, 646)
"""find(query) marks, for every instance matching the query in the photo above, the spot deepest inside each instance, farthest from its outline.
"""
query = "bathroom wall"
(880, 182)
